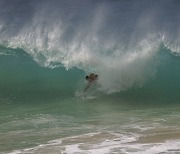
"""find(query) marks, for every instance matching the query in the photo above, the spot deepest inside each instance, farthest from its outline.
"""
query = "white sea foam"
(94, 37)
(103, 143)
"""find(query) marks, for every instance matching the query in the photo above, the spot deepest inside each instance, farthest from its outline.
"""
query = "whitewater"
(47, 47)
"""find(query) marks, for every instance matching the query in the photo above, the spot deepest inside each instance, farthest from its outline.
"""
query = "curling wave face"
(119, 41)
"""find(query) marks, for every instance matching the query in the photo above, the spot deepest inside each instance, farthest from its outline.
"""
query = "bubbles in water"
(116, 40)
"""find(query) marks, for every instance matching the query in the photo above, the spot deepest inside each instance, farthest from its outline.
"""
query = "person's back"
(91, 78)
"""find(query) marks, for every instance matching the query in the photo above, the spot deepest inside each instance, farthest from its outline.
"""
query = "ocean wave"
(93, 37)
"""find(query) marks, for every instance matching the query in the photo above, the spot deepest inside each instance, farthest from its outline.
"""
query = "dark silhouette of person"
(91, 78)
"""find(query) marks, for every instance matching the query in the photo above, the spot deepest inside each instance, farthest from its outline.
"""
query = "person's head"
(87, 77)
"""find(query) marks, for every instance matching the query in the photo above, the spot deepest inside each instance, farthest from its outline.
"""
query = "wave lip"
(114, 39)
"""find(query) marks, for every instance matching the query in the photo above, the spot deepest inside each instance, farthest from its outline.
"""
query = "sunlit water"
(48, 47)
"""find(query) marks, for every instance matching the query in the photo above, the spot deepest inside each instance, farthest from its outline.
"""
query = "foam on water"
(135, 135)
(92, 36)
(134, 48)
(102, 143)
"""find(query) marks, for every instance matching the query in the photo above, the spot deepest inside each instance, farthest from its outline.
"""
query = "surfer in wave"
(91, 79)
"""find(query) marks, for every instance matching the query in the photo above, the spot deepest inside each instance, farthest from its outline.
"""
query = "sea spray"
(47, 47)
(118, 41)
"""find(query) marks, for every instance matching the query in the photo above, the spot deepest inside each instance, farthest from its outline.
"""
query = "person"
(91, 78)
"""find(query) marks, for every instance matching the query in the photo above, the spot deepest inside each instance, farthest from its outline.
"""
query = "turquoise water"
(48, 47)
(40, 112)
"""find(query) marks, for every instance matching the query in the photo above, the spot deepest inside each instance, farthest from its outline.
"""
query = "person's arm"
(89, 84)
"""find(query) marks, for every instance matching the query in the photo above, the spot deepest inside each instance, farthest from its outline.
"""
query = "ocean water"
(47, 47)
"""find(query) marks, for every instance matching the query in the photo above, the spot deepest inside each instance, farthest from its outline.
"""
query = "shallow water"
(91, 126)
(133, 107)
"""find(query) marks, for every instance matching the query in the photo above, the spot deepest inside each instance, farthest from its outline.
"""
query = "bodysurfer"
(91, 79)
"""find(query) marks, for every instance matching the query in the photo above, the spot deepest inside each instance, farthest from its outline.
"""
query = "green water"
(40, 113)
(31, 124)
(47, 47)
